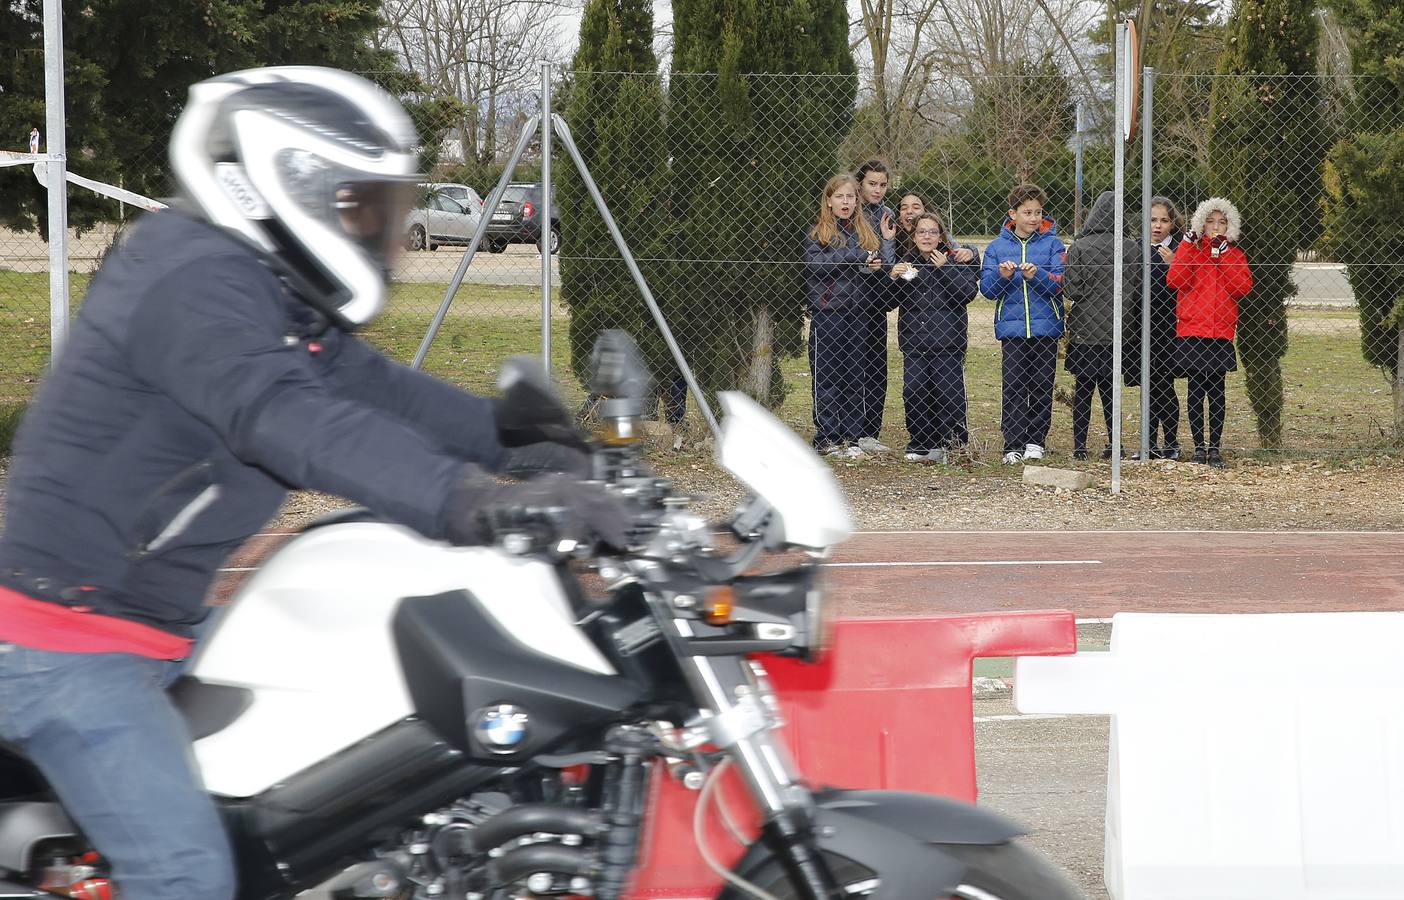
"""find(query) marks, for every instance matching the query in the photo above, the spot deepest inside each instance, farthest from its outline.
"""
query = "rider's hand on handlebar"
(544, 458)
(561, 507)
(520, 424)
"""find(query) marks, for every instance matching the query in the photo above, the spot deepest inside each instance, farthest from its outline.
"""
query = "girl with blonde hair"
(842, 253)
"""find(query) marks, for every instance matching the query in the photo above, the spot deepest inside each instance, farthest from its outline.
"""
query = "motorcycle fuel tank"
(309, 636)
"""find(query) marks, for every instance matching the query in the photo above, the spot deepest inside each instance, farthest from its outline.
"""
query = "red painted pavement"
(1133, 571)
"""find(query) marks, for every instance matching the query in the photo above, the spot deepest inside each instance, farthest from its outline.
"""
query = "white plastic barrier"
(1252, 756)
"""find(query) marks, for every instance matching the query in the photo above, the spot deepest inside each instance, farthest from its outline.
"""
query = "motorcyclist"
(211, 368)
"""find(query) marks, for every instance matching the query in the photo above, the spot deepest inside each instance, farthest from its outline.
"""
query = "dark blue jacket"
(874, 213)
(1023, 308)
(838, 277)
(193, 392)
(933, 315)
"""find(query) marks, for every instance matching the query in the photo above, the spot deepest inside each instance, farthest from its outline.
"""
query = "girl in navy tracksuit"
(1167, 229)
(935, 283)
(873, 181)
(843, 261)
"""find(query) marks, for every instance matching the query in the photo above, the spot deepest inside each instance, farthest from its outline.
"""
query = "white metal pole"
(1147, 90)
(1118, 252)
(1078, 142)
(545, 216)
(633, 266)
(57, 151)
(524, 139)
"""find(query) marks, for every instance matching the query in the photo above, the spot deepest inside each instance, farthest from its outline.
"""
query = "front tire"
(1010, 871)
(417, 239)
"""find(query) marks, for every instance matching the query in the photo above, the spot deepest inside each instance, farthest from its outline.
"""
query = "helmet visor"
(367, 210)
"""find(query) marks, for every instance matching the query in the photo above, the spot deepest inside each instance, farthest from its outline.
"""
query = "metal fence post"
(1119, 251)
(489, 207)
(1147, 88)
(1077, 171)
(545, 216)
(56, 147)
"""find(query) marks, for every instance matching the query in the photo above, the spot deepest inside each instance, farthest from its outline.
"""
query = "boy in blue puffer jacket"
(1023, 273)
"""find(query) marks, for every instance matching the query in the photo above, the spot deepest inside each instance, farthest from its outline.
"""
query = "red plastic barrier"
(890, 707)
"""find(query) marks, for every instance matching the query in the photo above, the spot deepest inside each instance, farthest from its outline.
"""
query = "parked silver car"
(465, 195)
(440, 219)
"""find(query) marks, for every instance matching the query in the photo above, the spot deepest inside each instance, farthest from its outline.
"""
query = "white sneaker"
(1033, 451)
(940, 456)
(914, 456)
(1013, 458)
(854, 451)
(873, 445)
(831, 450)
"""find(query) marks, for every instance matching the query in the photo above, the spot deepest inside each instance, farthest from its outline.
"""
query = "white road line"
(238, 569)
(964, 562)
(1288, 533)
(1032, 717)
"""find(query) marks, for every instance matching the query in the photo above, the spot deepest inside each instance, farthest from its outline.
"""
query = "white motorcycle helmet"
(316, 166)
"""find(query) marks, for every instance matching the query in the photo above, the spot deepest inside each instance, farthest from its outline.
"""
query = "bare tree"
(924, 59)
(483, 52)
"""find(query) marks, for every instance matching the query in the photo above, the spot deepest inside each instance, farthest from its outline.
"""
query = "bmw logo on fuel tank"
(501, 728)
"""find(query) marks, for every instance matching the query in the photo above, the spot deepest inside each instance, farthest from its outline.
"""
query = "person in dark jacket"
(873, 180)
(1167, 228)
(211, 367)
(1088, 286)
(936, 282)
(1023, 273)
(843, 257)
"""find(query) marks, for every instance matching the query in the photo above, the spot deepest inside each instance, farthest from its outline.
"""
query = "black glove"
(521, 424)
(553, 507)
(530, 410)
(538, 459)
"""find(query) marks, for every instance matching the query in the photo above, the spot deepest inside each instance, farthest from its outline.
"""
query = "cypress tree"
(1365, 185)
(751, 150)
(614, 105)
(1266, 145)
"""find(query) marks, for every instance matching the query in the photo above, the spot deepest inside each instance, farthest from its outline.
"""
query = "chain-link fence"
(724, 188)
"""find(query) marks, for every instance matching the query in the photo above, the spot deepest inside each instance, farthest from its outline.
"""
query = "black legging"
(1206, 386)
(1164, 409)
(1083, 389)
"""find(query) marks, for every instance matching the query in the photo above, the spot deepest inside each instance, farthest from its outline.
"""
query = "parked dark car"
(517, 219)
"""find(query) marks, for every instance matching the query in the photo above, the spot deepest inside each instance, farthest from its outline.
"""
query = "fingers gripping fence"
(716, 184)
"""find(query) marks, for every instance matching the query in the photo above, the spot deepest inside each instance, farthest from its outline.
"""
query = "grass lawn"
(1334, 401)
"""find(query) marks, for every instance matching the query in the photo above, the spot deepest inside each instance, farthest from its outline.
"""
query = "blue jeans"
(116, 752)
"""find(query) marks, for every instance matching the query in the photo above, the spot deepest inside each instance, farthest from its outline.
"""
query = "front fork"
(741, 715)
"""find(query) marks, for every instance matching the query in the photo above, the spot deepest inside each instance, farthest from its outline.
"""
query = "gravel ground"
(1364, 493)
(1335, 494)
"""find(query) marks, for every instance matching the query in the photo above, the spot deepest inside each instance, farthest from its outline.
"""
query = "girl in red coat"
(1209, 275)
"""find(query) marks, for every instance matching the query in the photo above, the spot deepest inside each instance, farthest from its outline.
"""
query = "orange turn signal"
(719, 606)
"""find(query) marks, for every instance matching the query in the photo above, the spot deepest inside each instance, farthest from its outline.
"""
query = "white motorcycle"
(385, 716)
